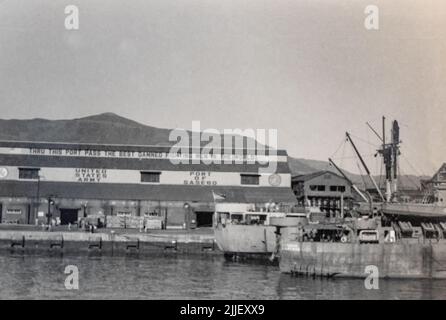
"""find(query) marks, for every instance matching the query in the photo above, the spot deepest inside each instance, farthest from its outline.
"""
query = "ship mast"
(390, 152)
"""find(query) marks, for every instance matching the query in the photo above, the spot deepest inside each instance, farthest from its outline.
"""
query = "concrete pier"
(109, 242)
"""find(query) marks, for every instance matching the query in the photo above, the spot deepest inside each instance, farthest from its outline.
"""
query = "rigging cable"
(354, 157)
(381, 175)
(408, 178)
(339, 147)
(418, 172)
(362, 175)
(363, 140)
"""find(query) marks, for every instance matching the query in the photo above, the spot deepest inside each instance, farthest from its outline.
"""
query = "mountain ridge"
(110, 128)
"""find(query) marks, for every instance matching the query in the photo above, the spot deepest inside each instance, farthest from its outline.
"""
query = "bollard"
(95, 243)
(133, 246)
(174, 246)
(57, 244)
(206, 247)
(20, 242)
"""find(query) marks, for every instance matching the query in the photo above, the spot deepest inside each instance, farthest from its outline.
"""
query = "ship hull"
(393, 260)
(414, 210)
(246, 241)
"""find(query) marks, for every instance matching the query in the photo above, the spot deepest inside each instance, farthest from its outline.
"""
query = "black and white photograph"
(241, 151)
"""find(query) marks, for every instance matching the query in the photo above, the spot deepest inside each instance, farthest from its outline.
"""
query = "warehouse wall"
(172, 213)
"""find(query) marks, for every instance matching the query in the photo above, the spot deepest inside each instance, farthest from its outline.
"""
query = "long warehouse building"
(70, 181)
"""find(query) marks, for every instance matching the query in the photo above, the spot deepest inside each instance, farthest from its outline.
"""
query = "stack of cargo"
(152, 223)
(132, 222)
(115, 222)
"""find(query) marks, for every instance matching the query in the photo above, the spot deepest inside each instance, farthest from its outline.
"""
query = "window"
(317, 187)
(251, 179)
(29, 173)
(222, 217)
(13, 211)
(124, 214)
(153, 177)
(236, 218)
(337, 188)
(152, 214)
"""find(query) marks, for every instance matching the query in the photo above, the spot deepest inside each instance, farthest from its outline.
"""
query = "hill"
(109, 128)
(304, 166)
(102, 128)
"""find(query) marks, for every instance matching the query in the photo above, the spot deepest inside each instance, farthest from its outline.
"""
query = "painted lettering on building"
(97, 153)
(90, 175)
(202, 178)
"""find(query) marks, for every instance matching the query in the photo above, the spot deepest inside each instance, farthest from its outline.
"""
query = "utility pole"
(50, 202)
(37, 204)
(187, 215)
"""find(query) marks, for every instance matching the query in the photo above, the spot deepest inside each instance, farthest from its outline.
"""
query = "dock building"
(322, 189)
(67, 182)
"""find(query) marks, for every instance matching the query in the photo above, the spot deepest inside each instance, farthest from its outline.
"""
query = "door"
(28, 218)
(204, 218)
(68, 216)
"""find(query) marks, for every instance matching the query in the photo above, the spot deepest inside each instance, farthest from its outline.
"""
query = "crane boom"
(374, 131)
(349, 181)
(365, 166)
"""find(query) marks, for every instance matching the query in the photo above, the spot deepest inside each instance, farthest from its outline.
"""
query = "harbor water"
(185, 277)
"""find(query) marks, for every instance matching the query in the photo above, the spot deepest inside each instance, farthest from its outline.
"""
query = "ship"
(341, 250)
(397, 240)
(244, 230)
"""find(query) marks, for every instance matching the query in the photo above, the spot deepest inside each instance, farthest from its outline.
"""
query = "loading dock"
(68, 216)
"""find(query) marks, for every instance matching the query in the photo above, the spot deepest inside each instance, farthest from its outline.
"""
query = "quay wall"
(30, 242)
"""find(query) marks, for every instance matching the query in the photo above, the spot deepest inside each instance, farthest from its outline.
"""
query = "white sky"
(307, 68)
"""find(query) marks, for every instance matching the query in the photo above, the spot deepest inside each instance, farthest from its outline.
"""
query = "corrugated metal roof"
(109, 191)
(128, 164)
(121, 147)
(309, 176)
(306, 177)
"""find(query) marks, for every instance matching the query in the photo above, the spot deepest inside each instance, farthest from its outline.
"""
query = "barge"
(349, 250)
(244, 231)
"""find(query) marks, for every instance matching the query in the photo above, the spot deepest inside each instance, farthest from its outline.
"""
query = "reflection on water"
(182, 277)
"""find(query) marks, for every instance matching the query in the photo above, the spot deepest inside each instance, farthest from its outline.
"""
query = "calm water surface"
(184, 277)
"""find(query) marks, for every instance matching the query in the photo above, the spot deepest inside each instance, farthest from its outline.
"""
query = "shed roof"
(306, 177)
(130, 164)
(119, 191)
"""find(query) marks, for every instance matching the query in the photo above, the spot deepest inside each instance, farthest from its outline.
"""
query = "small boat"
(244, 231)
